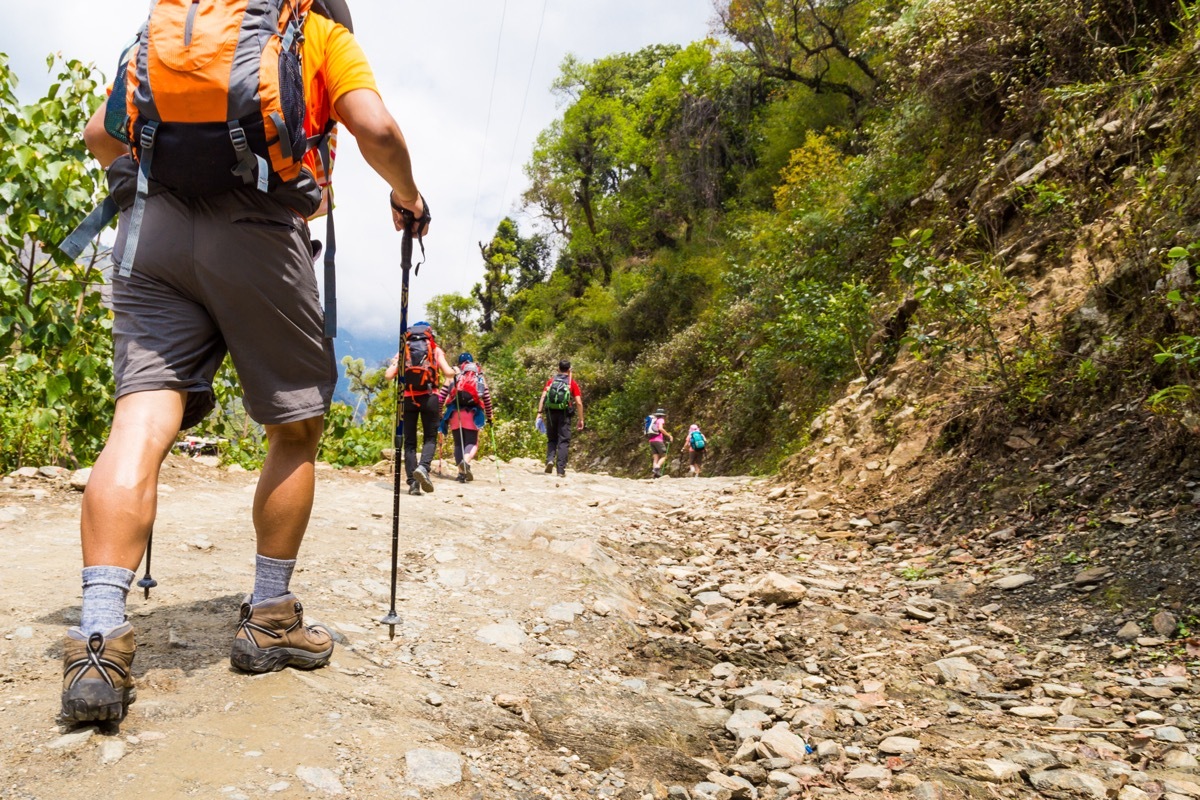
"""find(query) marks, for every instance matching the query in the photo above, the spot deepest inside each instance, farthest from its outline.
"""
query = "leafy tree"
(450, 315)
(500, 264)
(55, 351)
(820, 45)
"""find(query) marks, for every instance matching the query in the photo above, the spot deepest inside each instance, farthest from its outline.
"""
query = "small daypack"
(649, 428)
(466, 388)
(420, 367)
(697, 440)
(558, 396)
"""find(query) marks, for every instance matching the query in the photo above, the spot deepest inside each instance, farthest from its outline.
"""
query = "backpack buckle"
(238, 137)
(149, 132)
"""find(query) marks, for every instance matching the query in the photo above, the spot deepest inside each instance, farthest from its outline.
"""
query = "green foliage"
(959, 304)
(55, 349)
(1180, 352)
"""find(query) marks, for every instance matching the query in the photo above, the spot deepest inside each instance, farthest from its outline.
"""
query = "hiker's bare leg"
(284, 498)
(122, 494)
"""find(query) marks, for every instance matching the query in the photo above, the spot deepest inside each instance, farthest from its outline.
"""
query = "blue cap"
(465, 358)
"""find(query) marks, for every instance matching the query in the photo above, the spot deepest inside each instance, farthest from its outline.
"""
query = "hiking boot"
(467, 473)
(272, 635)
(421, 476)
(414, 490)
(97, 682)
(462, 477)
(549, 467)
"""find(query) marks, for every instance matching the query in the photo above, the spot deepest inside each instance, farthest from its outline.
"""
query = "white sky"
(434, 64)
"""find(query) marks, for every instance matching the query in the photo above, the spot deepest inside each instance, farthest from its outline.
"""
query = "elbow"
(379, 134)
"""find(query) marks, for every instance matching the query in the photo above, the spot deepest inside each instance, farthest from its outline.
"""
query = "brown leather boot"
(97, 682)
(272, 635)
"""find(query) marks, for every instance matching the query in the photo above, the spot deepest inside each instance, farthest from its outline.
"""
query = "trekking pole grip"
(406, 245)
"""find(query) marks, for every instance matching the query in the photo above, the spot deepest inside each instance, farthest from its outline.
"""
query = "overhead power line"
(486, 131)
(521, 119)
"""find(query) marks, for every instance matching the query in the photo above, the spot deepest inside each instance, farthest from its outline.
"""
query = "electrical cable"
(486, 131)
(524, 104)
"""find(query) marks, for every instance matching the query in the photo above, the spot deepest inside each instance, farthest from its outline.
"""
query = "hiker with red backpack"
(218, 141)
(561, 399)
(659, 437)
(468, 403)
(424, 365)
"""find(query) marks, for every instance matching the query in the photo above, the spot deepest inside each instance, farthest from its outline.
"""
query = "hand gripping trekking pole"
(406, 246)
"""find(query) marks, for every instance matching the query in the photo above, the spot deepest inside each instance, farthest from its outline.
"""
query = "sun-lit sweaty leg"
(271, 633)
(122, 495)
(284, 497)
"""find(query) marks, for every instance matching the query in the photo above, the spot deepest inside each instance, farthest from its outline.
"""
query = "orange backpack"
(210, 98)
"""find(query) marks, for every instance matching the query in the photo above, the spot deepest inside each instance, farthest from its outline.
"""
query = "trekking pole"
(463, 466)
(147, 583)
(495, 453)
(406, 245)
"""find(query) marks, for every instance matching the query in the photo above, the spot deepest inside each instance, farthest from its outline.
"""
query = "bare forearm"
(379, 139)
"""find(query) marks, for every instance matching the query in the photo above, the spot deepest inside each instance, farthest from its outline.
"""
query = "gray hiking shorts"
(231, 273)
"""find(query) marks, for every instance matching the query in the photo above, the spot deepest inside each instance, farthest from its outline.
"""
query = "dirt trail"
(709, 639)
(472, 557)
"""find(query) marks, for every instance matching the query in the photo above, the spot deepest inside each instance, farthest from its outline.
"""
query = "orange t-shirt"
(334, 64)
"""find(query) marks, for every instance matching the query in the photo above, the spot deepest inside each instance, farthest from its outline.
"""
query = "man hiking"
(209, 273)
(561, 399)
(468, 403)
(658, 436)
(424, 365)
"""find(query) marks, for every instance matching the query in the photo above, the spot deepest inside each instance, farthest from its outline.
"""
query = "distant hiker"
(424, 366)
(468, 403)
(658, 436)
(694, 447)
(212, 255)
(561, 399)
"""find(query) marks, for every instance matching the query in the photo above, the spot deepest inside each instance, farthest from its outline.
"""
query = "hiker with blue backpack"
(468, 403)
(561, 399)
(695, 447)
(659, 438)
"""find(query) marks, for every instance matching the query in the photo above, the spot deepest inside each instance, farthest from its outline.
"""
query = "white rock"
(562, 656)
(564, 612)
(112, 750)
(1059, 782)
(433, 769)
(1010, 582)
(72, 741)
(779, 589)
(502, 634)
(746, 724)
(1034, 712)
(80, 478)
(899, 745)
(954, 671)
(452, 578)
(991, 770)
(868, 776)
(321, 779)
(784, 743)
